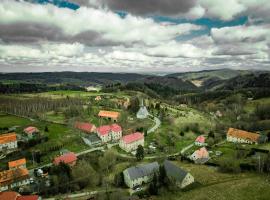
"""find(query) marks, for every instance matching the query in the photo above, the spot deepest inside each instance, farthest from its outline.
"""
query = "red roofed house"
(31, 131)
(8, 141)
(132, 141)
(29, 197)
(10, 195)
(116, 132)
(109, 132)
(68, 158)
(200, 141)
(200, 156)
(85, 127)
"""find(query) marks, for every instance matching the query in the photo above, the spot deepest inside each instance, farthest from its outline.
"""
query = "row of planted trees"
(30, 107)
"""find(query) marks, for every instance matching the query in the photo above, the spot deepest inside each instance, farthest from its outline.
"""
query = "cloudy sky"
(134, 35)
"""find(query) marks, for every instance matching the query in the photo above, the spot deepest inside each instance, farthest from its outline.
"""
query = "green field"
(215, 185)
(58, 135)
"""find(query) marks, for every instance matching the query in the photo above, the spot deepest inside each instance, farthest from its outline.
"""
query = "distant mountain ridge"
(77, 78)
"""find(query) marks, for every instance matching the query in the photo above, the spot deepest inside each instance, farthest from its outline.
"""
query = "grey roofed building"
(178, 176)
(142, 170)
(173, 171)
(141, 174)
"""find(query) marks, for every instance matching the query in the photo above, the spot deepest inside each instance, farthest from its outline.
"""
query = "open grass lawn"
(216, 185)
(10, 120)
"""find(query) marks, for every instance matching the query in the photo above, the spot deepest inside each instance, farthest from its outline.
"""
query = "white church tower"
(143, 112)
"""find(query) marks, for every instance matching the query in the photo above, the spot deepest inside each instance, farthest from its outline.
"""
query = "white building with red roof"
(200, 141)
(85, 127)
(131, 142)
(109, 132)
(200, 156)
(31, 131)
(67, 158)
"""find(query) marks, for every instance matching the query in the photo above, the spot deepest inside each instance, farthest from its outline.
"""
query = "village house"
(85, 127)
(109, 133)
(200, 156)
(131, 142)
(10, 179)
(103, 133)
(98, 98)
(177, 175)
(69, 158)
(10, 195)
(240, 136)
(31, 131)
(8, 141)
(21, 163)
(111, 115)
(141, 174)
(200, 141)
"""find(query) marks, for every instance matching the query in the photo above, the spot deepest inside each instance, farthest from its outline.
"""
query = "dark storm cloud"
(26, 32)
(145, 7)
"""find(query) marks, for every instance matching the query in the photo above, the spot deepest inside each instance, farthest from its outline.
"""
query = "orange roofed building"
(112, 115)
(13, 178)
(8, 141)
(240, 136)
(21, 163)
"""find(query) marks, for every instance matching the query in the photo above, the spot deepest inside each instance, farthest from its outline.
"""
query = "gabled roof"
(202, 153)
(9, 195)
(142, 170)
(17, 163)
(200, 139)
(7, 138)
(9, 176)
(110, 114)
(30, 130)
(233, 132)
(66, 158)
(132, 137)
(104, 130)
(86, 127)
(173, 171)
(116, 128)
(28, 197)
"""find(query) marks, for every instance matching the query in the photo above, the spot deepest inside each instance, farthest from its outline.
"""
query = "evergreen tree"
(140, 153)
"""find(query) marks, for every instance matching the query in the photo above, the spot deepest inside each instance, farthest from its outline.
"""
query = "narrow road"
(156, 126)
(186, 148)
(77, 154)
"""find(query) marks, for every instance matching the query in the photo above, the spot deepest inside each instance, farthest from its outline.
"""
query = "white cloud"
(177, 49)
(224, 9)
(242, 33)
(129, 29)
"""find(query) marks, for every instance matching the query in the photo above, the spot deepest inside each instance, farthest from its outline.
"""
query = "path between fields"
(82, 194)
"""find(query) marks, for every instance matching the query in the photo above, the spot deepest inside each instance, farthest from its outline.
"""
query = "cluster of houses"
(110, 133)
(9, 141)
(141, 174)
(16, 176)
